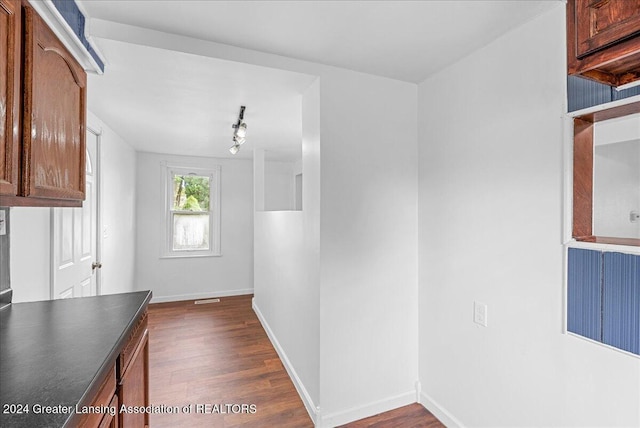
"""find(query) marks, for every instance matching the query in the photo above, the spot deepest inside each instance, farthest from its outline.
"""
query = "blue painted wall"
(70, 12)
(583, 93)
(621, 301)
(603, 297)
(584, 293)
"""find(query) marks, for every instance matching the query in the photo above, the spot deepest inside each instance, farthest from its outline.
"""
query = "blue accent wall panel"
(71, 13)
(621, 301)
(625, 93)
(584, 293)
(584, 93)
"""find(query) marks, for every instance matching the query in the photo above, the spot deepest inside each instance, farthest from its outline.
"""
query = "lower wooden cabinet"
(126, 385)
(109, 420)
(103, 398)
(133, 377)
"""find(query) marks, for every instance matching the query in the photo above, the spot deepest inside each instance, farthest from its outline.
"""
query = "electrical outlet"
(480, 313)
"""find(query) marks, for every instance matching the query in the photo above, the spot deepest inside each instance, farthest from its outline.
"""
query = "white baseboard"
(313, 411)
(194, 296)
(364, 411)
(439, 412)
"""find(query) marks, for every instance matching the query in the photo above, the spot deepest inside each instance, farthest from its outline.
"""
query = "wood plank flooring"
(411, 416)
(218, 356)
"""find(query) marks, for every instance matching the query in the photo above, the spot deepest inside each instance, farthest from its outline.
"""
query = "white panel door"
(74, 238)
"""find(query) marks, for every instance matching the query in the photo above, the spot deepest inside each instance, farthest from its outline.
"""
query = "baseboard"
(302, 391)
(194, 296)
(360, 412)
(439, 412)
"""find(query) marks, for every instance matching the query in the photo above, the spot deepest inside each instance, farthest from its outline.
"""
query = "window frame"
(213, 172)
(582, 171)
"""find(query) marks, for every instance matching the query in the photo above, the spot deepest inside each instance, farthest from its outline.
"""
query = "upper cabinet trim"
(603, 41)
(73, 39)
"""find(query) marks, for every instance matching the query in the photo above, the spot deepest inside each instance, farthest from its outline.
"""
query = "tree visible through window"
(191, 211)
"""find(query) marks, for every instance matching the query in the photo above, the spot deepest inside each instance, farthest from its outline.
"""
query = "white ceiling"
(165, 101)
(171, 102)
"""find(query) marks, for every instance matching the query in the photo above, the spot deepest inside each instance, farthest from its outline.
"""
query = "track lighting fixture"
(239, 133)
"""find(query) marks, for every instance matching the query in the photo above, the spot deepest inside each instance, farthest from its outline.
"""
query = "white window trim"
(213, 172)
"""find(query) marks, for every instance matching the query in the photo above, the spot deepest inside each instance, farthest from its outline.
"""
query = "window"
(192, 211)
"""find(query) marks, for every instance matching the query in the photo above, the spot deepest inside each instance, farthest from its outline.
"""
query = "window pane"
(190, 192)
(190, 231)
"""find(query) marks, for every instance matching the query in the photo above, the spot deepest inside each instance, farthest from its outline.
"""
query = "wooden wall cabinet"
(603, 40)
(10, 68)
(44, 155)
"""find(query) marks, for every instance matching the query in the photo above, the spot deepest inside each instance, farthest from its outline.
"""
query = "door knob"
(95, 265)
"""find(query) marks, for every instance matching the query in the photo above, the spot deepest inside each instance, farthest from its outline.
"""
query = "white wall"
(616, 176)
(30, 227)
(365, 291)
(30, 254)
(118, 196)
(616, 189)
(490, 153)
(195, 277)
(368, 262)
(279, 186)
(287, 275)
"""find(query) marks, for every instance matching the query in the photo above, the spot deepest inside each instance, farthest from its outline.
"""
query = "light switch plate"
(480, 313)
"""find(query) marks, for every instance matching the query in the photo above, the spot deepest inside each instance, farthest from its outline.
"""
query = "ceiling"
(165, 101)
(175, 102)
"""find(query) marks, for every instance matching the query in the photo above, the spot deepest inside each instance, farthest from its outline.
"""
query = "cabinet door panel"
(109, 421)
(134, 385)
(602, 23)
(10, 31)
(54, 116)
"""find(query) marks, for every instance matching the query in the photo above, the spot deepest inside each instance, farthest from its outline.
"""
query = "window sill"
(626, 249)
(610, 240)
(604, 345)
(188, 256)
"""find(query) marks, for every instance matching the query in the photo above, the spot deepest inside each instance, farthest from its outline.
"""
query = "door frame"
(97, 131)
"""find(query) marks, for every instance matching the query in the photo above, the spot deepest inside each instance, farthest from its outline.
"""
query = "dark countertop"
(56, 353)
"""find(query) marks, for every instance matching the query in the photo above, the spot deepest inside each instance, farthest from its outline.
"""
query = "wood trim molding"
(612, 113)
(617, 241)
(61, 28)
(582, 179)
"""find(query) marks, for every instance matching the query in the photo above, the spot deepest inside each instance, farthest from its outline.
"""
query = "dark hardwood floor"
(218, 354)
(411, 416)
(218, 357)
